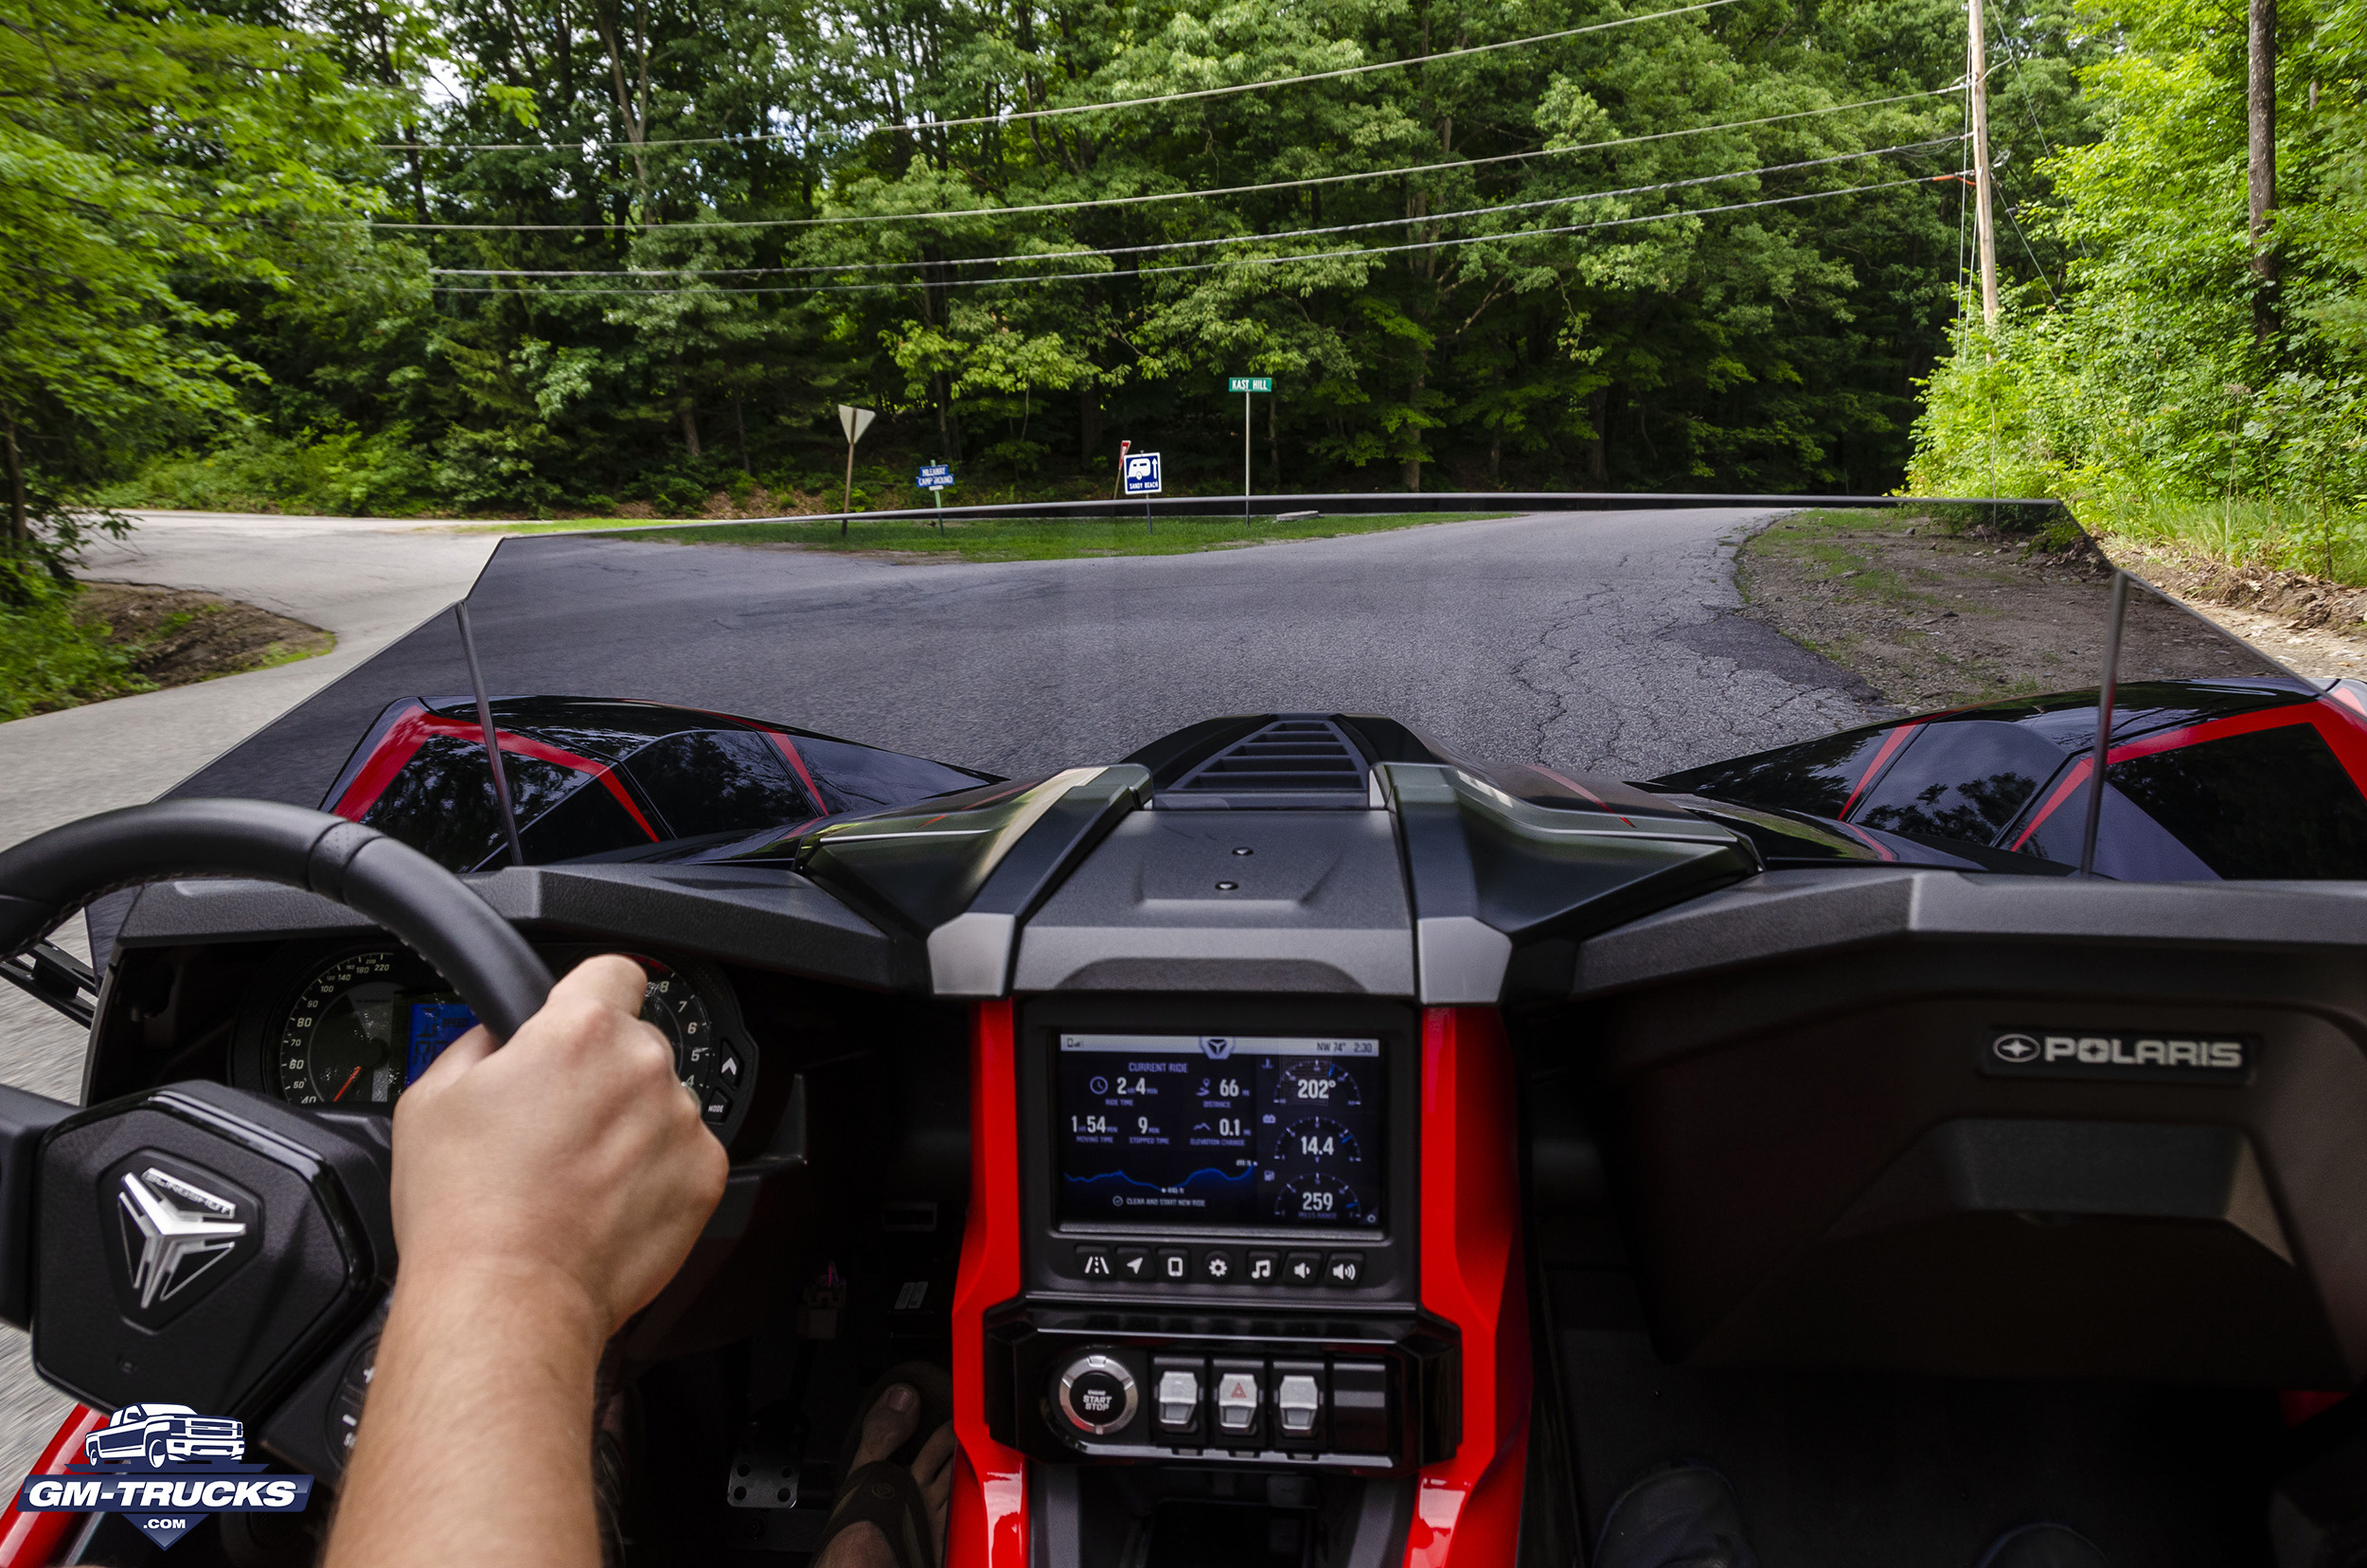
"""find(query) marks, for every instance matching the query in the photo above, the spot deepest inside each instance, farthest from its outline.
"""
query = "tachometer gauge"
(1318, 1197)
(1317, 1082)
(683, 1006)
(361, 1027)
(673, 1005)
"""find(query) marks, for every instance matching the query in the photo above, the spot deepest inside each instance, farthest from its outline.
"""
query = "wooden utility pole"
(1984, 221)
(2261, 93)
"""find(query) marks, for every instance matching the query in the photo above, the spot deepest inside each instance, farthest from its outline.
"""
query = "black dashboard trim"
(765, 917)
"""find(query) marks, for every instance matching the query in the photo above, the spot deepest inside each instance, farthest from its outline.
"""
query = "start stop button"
(1097, 1393)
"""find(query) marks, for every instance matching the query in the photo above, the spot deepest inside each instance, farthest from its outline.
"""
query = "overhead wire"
(1097, 201)
(1207, 266)
(1013, 116)
(1192, 244)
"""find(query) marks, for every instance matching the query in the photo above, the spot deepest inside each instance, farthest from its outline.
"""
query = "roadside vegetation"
(50, 658)
(461, 259)
(2186, 390)
(64, 644)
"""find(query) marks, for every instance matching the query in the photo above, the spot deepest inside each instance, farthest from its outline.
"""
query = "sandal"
(936, 1387)
(883, 1492)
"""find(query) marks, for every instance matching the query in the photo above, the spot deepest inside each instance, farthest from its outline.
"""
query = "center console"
(1221, 1205)
(1240, 1284)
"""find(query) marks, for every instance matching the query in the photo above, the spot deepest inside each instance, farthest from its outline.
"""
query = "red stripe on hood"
(414, 730)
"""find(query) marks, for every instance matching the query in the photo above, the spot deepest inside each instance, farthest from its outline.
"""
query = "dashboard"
(348, 1025)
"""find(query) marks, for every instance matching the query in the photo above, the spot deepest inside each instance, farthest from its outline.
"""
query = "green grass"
(50, 660)
(2247, 533)
(1014, 538)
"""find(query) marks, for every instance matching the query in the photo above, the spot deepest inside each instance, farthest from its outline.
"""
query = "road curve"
(1601, 641)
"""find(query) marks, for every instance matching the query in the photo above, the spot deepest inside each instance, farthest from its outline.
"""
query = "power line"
(1241, 261)
(1015, 116)
(1170, 195)
(1192, 244)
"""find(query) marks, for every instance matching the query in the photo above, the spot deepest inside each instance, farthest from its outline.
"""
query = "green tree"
(146, 151)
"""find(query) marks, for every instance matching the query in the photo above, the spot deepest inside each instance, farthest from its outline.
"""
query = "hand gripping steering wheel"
(201, 1244)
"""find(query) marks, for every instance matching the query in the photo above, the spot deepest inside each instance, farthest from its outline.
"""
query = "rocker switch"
(1297, 1401)
(1238, 1397)
(1179, 1398)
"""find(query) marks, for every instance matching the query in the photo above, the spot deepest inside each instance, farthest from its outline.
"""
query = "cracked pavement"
(1602, 642)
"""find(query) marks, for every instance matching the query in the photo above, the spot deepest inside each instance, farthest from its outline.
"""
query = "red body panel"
(1467, 1512)
(413, 731)
(2340, 731)
(989, 1526)
(30, 1540)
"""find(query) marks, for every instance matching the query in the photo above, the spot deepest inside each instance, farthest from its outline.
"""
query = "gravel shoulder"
(1926, 614)
(1929, 614)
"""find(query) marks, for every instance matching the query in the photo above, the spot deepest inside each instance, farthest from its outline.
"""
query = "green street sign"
(1250, 383)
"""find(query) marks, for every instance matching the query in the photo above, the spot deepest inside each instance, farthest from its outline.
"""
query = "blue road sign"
(935, 476)
(1142, 473)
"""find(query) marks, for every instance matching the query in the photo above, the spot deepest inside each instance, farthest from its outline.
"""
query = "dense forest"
(2190, 377)
(543, 255)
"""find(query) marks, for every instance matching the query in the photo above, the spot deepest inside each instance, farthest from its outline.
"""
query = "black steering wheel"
(51, 875)
(205, 1245)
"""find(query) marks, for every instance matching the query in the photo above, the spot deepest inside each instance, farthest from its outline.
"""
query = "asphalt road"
(1597, 642)
(1600, 642)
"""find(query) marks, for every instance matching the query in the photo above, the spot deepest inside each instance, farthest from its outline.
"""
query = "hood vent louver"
(1297, 760)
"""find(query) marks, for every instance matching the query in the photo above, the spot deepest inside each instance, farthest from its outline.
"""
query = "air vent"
(1298, 760)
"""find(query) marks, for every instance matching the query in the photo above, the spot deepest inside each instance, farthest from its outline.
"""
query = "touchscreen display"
(1191, 1129)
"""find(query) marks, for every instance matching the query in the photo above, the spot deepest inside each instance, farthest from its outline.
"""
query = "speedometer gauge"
(362, 1026)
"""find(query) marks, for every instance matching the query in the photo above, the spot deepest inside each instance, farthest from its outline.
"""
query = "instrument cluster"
(351, 1027)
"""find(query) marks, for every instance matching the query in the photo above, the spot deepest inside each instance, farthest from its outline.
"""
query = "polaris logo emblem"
(2016, 1048)
(2160, 1055)
(174, 1231)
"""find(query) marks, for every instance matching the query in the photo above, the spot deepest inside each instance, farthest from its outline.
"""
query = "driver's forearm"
(476, 1442)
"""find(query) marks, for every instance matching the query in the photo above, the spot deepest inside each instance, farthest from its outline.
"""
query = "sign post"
(1139, 474)
(934, 478)
(1245, 385)
(1120, 488)
(854, 421)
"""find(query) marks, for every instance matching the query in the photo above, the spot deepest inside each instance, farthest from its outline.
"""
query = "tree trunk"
(1597, 450)
(690, 426)
(1089, 423)
(948, 426)
(739, 421)
(20, 529)
(1414, 456)
(2261, 89)
(1274, 446)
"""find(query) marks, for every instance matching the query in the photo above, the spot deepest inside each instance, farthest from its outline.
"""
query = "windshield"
(1840, 688)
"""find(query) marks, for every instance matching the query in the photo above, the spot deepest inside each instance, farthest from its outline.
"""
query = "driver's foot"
(886, 1426)
(1683, 1516)
(2043, 1547)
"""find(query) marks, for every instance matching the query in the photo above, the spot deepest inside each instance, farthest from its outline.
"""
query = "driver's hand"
(571, 1157)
